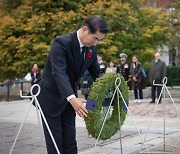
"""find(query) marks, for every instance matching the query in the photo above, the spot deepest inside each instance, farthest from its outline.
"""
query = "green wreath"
(98, 92)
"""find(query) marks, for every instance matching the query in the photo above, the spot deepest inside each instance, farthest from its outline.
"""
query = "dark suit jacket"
(62, 74)
(124, 71)
(157, 71)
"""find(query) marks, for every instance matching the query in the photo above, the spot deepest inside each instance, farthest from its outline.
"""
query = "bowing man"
(70, 56)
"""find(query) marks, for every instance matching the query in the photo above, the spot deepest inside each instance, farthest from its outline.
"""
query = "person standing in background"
(123, 68)
(157, 73)
(137, 82)
(35, 74)
(111, 68)
(102, 64)
(86, 83)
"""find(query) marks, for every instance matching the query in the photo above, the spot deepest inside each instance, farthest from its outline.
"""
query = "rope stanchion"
(40, 113)
(117, 90)
(164, 87)
(156, 104)
(119, 115)
(104, 119)
(129, 112)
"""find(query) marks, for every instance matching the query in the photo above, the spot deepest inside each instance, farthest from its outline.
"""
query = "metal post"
(8, 91)
(22, 87)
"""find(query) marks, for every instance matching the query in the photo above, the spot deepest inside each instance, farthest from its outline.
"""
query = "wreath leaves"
(98, 92)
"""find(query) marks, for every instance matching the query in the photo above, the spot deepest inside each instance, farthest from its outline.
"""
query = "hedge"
(173, 75)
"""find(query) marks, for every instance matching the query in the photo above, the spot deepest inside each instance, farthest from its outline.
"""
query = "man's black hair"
(95, 24)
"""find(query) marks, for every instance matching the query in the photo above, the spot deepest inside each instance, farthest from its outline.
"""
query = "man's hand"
(77, 104)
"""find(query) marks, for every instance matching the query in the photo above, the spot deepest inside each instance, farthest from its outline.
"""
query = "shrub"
(173, 75)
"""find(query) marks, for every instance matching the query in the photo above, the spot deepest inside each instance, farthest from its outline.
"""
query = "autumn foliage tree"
(28, 29)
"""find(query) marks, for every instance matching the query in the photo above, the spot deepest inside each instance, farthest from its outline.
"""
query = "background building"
(171, 55)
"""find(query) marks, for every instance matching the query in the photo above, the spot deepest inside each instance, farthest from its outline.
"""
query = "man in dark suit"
(70, 56)
(157, 72)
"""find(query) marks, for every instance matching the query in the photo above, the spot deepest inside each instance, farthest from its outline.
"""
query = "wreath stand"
(119, 94)
(40, 113)
(164, 87)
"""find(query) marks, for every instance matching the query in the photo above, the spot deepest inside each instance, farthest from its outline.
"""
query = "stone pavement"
(29, 141)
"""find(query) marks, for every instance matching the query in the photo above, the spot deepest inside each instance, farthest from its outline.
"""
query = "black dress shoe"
(152, 101)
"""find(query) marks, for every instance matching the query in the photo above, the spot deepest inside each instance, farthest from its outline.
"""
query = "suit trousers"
(153, 92)
(63, 130)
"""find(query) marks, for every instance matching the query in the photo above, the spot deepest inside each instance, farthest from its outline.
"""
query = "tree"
(133, 30)
(174, 43)
(10, 5)
(28, 30)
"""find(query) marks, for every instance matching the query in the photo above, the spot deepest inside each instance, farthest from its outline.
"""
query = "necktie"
(83, 52)
(82, 57)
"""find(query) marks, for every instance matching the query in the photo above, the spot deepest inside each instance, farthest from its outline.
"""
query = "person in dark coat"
(69, 57)
(137, 81)
(35, 74)
(123, 68)
(86, 83)
(102, 64)
(157, 73)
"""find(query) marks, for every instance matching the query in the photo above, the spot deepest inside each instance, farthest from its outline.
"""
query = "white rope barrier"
(33, 98)
(164, 87)
(117, 90)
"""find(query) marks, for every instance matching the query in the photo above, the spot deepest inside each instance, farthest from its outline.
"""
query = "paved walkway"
(29, 141)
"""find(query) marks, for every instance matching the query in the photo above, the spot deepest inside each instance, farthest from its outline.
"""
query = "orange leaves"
(26, 33)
